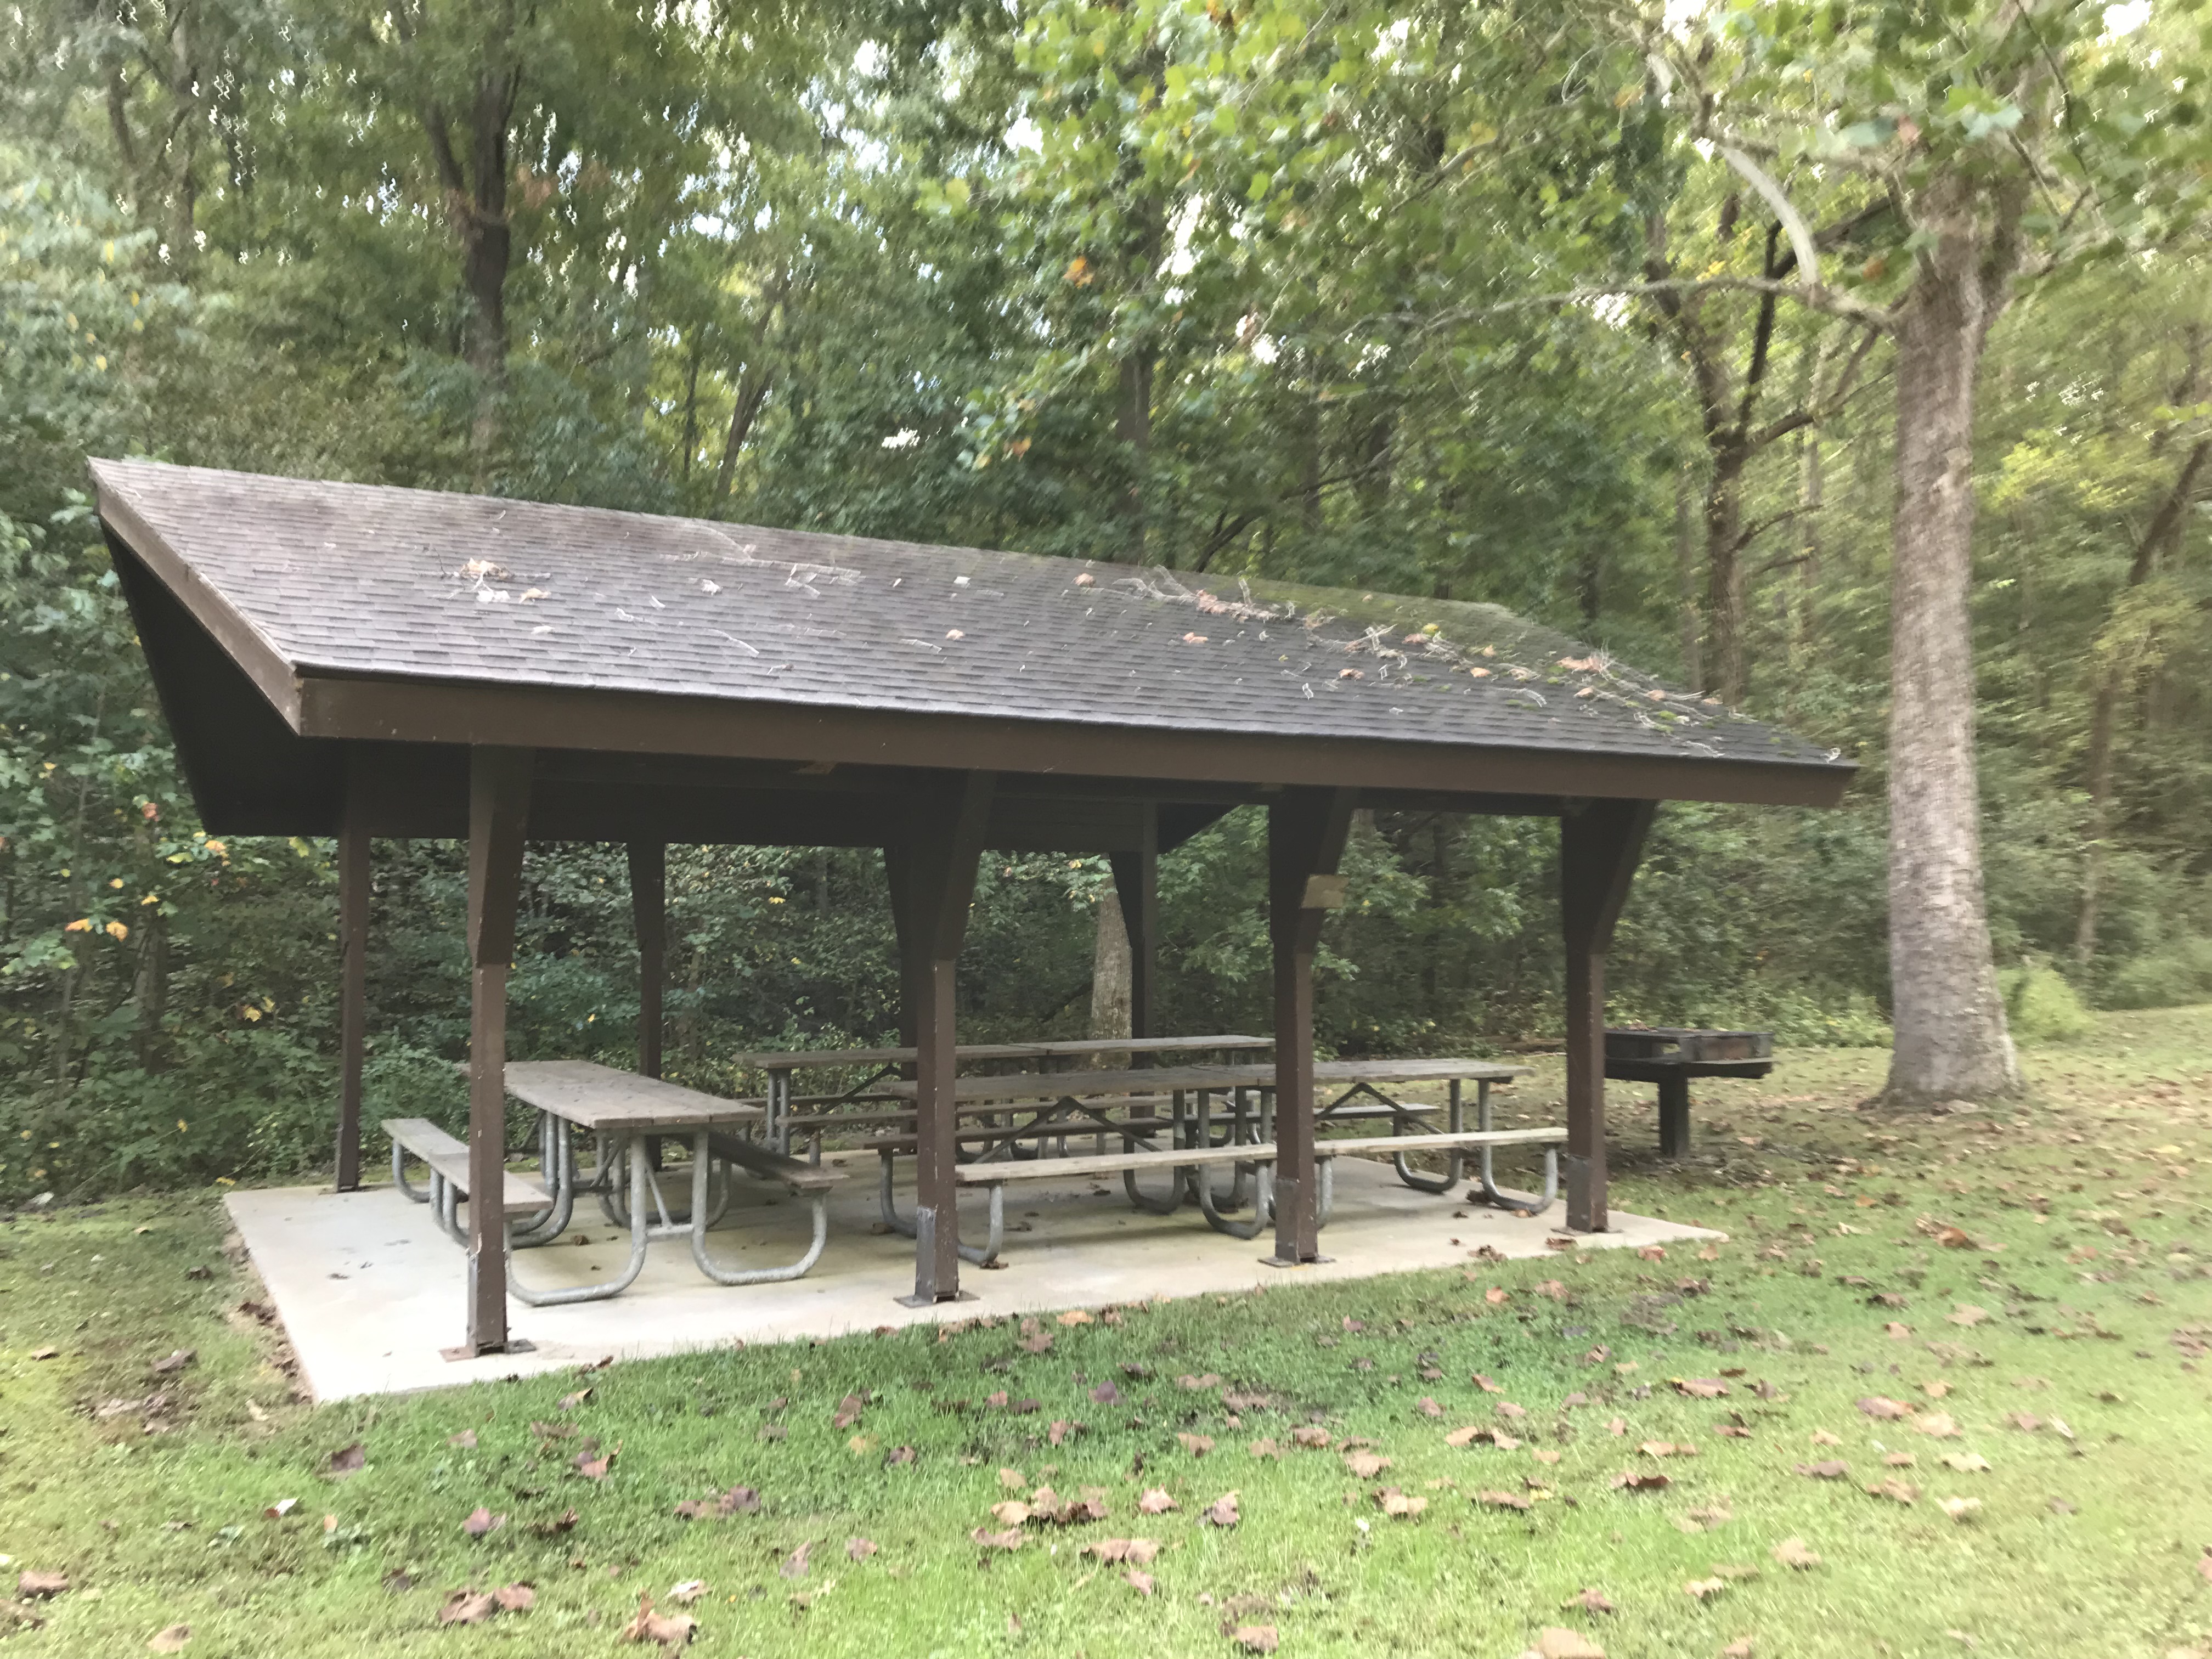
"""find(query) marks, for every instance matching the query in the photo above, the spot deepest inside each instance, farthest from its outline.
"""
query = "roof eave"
(463, 711)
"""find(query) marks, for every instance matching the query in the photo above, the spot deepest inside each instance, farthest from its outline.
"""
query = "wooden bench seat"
(1445, 1141)
(449, 1159)
(795, 1173)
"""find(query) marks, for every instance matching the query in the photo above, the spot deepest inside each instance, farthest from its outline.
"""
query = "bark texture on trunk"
(1951, 1037)
(1111, 978)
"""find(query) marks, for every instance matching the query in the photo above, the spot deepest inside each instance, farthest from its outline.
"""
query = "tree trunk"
(1951, 1039)
(1110, 977)
(2112, 679)
(1133, 424)
(1723, 654)
(1686, 568)
(151, 992)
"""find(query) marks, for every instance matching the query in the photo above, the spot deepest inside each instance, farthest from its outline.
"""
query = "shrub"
(2041, 1006)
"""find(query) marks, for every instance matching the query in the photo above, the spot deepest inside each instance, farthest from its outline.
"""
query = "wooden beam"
(1599, 847)
(353, 875)
(499, 808)
(1306, 833)
(932, 883)
(648, 910)
(1137, 887)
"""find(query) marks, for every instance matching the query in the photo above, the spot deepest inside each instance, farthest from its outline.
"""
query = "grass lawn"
(2036, 1282)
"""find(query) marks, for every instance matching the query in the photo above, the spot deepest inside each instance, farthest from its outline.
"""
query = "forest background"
(1442, 299)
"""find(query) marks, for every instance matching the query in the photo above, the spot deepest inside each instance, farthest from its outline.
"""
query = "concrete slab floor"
(370, 1290)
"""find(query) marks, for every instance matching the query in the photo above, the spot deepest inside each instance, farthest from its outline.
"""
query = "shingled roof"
(346, 603)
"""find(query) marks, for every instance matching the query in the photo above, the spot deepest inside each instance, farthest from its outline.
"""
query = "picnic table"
(885, 1063)
(1084, 1102)
(621, 1110)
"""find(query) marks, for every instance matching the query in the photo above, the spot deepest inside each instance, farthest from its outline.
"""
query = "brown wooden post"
(353, 972)
(1599, 845)
(1137, 886)
(499, 808)
(933, 884)
(648, 910)
(1306, 832)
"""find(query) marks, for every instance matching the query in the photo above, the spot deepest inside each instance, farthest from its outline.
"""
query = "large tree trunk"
(1110, 978)
(1133, 424)
(1723, 655)
(1951, 1040)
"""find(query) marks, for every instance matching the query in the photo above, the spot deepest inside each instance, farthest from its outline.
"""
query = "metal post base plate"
(465, 1351)
(1285, 1261)
(933, 1301)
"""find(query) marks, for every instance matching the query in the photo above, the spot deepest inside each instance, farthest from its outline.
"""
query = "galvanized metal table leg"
(399, 1176)
(701, 1158)
(1455, 1161)
(1486, 1185)
(1254, 1224)
(981, 1256)
(637, 1162)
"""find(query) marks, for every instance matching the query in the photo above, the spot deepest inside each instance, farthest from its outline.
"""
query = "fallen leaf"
(46, 1354)
(1504, 1500)
(1155, 1501)
(1666, 1449)
(1898, 1491)
(1896, 1331)
(1961, 1509)
(1704, 1520)
(174, 1363)
(467, 1607)
(859, 1549)
(1221, 1512)
(1474, 1432)
(1139, 1581)
(1495, 1296)
(793, 1566)
(517, 1598)
(1196, 1445)
(1965, 1463)
(1554, 1642)
(1937, 1389)
(595, 1468)
(1939, 1425)
(281, 1508)
(848, 1412)
(670, 1629)
(1834, 1470)
(1699, 1388)
(1256, 1639)
(1822, 1437)
(1878, 1406)
(481, 1521)
(1900, 1459)
(1428, 1408)
(1207, 1380)
(1543, 1455)
(568, 1402)
(465, 1440)
(1705, 1588)
(1967, 1315)
(1590, 1599)
(32, 1585)
(349, 1460)
(1137, 1552)
(1738, 1648)
(1396, 1505)
(1792, 1553)
(1310, 1435)
(690, 1590)
(1488, 1385)
(1009, 1539)
(171, 1638)
(738, 1500)
(1365, 1465)
(1077, 1316)
(1640, 1480)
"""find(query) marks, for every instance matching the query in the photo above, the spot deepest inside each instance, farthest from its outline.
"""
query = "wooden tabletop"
(1051, 1085)
(594, 1096)
(1054, 1050)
